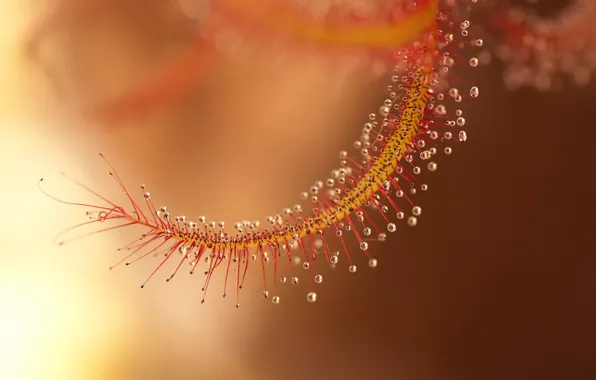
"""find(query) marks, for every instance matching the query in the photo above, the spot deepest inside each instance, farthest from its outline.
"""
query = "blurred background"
(497, 281)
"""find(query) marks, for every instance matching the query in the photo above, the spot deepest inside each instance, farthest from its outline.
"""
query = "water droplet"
(384, 111)
(474, 92)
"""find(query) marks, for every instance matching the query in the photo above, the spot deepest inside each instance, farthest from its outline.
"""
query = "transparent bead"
(474, 92)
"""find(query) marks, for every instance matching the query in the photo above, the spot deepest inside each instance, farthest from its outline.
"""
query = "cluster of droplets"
(439, 130)
(438, 104)
(540, 52)
(419, 119)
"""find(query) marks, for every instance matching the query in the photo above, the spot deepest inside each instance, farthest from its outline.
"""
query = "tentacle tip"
(60, 243)
(142, 286)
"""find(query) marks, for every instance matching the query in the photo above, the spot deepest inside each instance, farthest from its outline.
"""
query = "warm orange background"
(496, 282)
